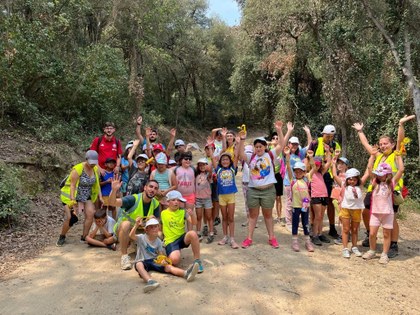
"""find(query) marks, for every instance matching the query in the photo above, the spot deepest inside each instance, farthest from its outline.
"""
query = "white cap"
(130, 144)
(152, 221)
(294, 140)
(299, 165)
(143, 156)
(352, 173)
(175, 194)
(203, 160)
(171, 162)
(329, 129)
(179, 142)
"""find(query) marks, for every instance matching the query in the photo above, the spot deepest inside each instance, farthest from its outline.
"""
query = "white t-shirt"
(218, 147)
(261, 171)
(109, 226)
(245, 173)
(349, 199)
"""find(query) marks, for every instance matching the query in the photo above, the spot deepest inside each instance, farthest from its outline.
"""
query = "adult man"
(326, 142)
(107, 146)
(134, 206)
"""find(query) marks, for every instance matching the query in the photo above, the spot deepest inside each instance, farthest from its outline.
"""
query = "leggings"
(295, 220)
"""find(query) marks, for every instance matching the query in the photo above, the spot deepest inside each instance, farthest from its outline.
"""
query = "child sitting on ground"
(149, 247)
(101, 233)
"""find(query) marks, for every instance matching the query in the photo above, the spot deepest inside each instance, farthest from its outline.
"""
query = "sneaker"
(200, 237)
(245, 224)
(365, 242)
(289, 227)
(192, 272)
(338, 240)
(309, 246)
(346, 253)
(273, 242)
(214, 230)
(316, 241)
(283, 221)
(224, 240)
(82, 239)
(233, 244)
(60, 241)
(384, 259)
(112, 247)
(210, 239)
(217, 221)
(200, 265)
(324, 239)
(356, 251)
(369, 254)
(125, 262)
(205, 231)
(246, 243)
(333, 232)
(393, 251)
(295, 245)
(276, 220)
(150, 286)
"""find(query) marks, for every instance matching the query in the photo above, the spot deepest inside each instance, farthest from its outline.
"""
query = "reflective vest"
(65, 191)
(320, 148)
(390, 160)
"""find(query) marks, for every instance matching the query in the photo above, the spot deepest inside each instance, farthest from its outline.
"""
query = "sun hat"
(203, 161)
(179, 142)
(329, 129)
(161, 158)
(383, 169)
(344, 160)
(175, 194)
(92, 157)
(294, 140)
(260, 140)
(352, 173)
(299, 165)
(152, 221)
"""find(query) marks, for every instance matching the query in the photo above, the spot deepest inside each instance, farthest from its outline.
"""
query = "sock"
(332, 226)
(393, 243)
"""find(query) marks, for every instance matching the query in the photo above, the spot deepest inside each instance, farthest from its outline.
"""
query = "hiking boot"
(365, 242)
(217, 221)
(200, 265)
(210, 239)
(356, 251)
(125, 262)
(273, 242)
(346, 253)
(224, 240)
(150, 286)
(338, 240)
(246, 243)
(324, 239)
(369, 254)
(316, 241)
(295, 245)
(205, 231)
(393, 251)
(191, 272)
(384, 259)
(60, 241)
(333, 232)
(309, 246)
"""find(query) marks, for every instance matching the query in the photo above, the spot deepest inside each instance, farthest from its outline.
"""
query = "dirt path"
(258, 280)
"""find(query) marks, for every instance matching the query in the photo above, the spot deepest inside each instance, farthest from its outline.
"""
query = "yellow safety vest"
(390, 160)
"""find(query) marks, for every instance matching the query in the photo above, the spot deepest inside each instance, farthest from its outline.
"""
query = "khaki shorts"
(354, 214)
(261, 198)
(224, 200)
(106, 200)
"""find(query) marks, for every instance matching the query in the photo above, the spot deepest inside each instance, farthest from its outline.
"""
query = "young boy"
(106, 180)
(149, 246)
(101, 233)
(173, 226)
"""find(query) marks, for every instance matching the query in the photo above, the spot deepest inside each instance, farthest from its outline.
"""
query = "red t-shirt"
(107, 149)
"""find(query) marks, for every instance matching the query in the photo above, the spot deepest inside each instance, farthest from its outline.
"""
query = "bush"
(12, 203)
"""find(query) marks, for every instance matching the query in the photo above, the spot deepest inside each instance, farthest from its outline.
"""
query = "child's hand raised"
(116, 182)
(173, 132)
(337, 153)
(242, 134)
(358, 126)
(139, 120)
(286, 151)
(310, 153)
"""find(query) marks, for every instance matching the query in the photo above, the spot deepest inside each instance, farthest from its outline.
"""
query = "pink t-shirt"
(318, 188)
(202, 186)
(186, 180)
(382, 199)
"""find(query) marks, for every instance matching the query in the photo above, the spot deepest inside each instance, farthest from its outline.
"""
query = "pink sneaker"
(273, 242)
(309, 246)
(295, 245)
(246, 243)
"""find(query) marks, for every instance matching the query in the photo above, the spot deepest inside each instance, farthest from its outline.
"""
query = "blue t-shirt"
(293, 159)
(226, 180)
(106, 189)
(125, 176)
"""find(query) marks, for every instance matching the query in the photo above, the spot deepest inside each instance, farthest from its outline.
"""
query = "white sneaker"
(356, 251)
(125, 262)
(346, 253)
(384, 259)
(289, 227)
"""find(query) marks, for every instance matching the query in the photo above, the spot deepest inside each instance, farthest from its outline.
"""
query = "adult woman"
(261, 191)
(82, 188)
(387, 155)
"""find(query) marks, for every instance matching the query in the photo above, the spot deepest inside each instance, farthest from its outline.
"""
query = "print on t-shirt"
(262, 167)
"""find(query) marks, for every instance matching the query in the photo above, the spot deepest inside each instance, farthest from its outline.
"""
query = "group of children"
(202, 190)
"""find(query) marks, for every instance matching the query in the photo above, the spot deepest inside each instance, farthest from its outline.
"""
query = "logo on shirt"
(261, 169)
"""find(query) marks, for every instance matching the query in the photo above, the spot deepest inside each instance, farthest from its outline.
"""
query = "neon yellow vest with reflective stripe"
(390, 160)
(320, 149)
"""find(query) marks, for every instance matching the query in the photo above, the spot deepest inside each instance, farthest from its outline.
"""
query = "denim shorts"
(150, 265)
(203, 203)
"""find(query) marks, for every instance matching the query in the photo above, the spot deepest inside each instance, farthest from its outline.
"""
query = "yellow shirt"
(173, 224)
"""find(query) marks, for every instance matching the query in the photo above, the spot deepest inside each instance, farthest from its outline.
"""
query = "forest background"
(68, 66)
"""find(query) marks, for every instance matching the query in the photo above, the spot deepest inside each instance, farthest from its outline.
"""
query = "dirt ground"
(259, 280)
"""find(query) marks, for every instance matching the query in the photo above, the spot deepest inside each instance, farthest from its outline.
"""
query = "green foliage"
(12, 202)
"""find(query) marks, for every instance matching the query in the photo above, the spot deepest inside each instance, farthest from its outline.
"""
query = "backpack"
(136, 183)
(63, 181)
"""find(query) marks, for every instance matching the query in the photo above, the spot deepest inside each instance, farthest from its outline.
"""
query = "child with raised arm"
(150, 256)
(101, 233)
(300, 201)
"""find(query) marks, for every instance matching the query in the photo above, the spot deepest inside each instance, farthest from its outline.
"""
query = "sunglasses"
(187, 159)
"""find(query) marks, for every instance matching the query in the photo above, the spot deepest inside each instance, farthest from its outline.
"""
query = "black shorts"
(329, 181)
(279, 185)
(368, 199)
(178, 244)
(319, 200)
(150, 265)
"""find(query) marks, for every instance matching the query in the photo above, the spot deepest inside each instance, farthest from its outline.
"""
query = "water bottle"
(305, 204)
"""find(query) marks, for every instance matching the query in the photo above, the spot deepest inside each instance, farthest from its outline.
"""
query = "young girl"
(165, 178)
(300, 201)
(382, 212)
(226, 188)
(203, 197)
(351, 197)
(319, 194)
